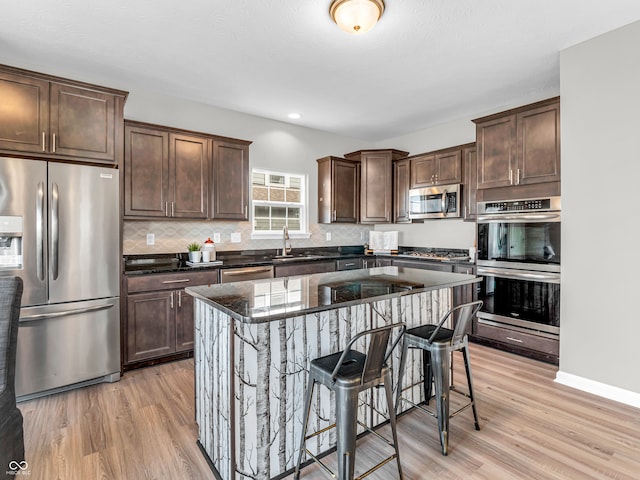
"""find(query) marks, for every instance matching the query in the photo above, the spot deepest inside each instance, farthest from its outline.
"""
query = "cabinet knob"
(511, 176)
(44, 142)
(171, 297)
(166, 209)
(54, 143)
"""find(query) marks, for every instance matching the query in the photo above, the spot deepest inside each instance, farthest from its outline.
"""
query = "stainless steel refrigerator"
(60, 232)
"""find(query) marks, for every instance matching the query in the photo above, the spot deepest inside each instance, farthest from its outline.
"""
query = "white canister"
(206, 256)
(209, 247)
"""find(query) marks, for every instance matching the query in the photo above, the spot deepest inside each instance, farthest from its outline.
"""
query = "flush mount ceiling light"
(356, 16)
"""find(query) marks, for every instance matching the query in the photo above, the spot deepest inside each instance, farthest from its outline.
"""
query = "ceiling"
(427, 61)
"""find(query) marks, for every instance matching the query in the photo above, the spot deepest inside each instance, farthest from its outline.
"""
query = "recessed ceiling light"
(294, 116)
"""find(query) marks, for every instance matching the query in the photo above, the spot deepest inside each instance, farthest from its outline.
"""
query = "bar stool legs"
(437, 344)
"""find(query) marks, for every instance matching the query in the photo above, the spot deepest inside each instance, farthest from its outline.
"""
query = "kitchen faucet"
(285, 238)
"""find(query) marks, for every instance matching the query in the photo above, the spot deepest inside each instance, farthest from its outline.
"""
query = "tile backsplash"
(174, 236)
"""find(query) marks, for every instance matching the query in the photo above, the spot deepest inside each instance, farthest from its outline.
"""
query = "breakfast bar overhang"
(253, 344)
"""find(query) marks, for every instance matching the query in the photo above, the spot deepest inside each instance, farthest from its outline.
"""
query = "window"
(278, 199)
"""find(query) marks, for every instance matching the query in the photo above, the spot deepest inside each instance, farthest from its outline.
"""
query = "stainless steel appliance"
(59, 231)
(519, 258)
(228, 275)
(441, 201)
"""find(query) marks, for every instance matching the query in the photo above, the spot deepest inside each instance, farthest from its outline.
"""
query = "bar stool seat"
(347, 373)
(438, 343)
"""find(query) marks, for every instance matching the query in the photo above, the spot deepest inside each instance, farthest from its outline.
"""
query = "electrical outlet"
(216, 238)
(151, 239)
(236, 237)
(328, 236)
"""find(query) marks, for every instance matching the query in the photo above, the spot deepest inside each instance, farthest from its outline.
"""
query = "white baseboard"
(601, 389)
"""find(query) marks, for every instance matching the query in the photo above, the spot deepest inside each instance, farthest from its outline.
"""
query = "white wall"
(600, 104)
(448, 233)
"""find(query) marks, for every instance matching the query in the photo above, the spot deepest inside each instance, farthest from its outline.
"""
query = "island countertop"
(260, 301)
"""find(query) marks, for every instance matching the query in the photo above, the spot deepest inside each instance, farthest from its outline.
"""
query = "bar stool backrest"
(377, 353)
(466, 312)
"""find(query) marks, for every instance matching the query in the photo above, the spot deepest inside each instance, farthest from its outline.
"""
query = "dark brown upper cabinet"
(166, 173)
(470, 181)
(51, 117)
(443, 167)
(230, 180)
(519, 146)
(376, 183)
(338, 190)
(401, 185)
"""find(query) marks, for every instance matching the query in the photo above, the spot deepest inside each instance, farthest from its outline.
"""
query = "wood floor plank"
(532, 428)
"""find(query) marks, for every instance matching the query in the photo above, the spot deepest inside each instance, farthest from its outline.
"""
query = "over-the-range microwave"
(438, 201)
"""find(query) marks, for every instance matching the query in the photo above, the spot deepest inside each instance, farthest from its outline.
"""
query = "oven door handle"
(521, 218)
(519, 275)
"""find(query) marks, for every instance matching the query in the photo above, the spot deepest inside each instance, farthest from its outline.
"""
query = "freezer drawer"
(65, 344)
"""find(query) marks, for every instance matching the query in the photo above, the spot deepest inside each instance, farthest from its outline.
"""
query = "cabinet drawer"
(516, 338)
(305, 269)
(423, 265)
(167, 281)
(349, 264)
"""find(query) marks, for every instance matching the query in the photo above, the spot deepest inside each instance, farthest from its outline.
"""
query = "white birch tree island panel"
(253, 344)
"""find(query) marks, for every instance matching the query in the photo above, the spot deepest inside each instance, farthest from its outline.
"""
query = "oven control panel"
(526, 205)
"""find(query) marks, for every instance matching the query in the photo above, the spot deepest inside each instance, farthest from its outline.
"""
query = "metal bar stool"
(348, 373)
(439, 343)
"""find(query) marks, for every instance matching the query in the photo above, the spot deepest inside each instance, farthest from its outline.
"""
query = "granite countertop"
(259, 301)
(167, 262)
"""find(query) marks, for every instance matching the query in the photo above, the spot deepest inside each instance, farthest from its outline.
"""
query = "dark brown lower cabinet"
(158, 325)
(150, 326)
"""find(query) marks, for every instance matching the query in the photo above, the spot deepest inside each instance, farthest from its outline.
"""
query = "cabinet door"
(345, 191)
(423, 171)
(189, 176)
(150, 325)
(82, 123)
(24, 113)
(449, 168)
(184, 322)
(496, 143)
(230, 181)
(538, 145)
(146, 172)
(401, 180)
(376, 188)
(470, 183)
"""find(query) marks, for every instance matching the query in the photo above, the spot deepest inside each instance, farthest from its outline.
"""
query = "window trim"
(304, 206)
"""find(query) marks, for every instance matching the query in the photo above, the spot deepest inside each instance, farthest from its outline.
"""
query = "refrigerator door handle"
(40, 231)
(55, 230)
(43, 316)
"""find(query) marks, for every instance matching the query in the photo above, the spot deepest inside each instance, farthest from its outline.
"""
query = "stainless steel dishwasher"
(228, 275)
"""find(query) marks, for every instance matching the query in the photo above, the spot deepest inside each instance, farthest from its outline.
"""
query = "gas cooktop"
(441, 256)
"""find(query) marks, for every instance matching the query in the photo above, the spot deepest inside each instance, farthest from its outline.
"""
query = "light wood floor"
(532, 428)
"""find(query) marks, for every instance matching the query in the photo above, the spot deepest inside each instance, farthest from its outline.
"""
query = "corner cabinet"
(230, 180)
(57, 118)
(166, 173)
(338, 190)
(519, 146)
(376, 183)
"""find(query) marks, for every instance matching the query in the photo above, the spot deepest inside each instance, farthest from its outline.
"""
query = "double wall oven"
(519, 259)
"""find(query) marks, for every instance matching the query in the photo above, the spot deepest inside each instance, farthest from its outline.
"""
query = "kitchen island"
(253, 344)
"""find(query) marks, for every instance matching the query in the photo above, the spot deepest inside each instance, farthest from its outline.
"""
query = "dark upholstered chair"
(11, 436)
